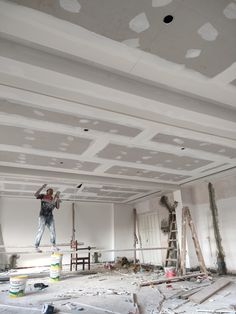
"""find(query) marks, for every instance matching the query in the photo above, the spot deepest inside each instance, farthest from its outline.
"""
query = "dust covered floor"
(111, 291)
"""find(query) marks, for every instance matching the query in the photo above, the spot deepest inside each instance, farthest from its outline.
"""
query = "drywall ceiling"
(201, 34)
(78, 108)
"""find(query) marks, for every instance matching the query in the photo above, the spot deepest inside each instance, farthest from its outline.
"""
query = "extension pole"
(135, 235)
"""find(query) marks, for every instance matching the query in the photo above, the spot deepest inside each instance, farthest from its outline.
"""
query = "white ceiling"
(76, 107)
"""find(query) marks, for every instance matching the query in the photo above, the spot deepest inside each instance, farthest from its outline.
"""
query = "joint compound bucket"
(17, 286)
(56, 266)
(170, 272)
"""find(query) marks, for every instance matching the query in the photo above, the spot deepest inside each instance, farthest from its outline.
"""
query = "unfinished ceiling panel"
(83, 122)
(151, 157)
(186, 143)
(29, 138)
(137, 172)
(52, 162)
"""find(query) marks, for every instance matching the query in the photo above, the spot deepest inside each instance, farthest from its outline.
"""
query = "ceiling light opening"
(182, 148)
(61, 162)
(86, 130)
(168, 19)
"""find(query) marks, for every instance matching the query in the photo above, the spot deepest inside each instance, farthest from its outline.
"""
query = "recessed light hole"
(182, 148)
(86, 130)
(168, 19)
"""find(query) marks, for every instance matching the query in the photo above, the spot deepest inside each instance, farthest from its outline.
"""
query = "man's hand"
(57, 200)
(44, 185)
(57, 194)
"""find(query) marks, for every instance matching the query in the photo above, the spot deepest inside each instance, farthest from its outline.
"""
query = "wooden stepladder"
(172, 254)
(187, 219)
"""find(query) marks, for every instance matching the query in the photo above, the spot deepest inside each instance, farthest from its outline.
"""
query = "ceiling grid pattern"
(102, 134)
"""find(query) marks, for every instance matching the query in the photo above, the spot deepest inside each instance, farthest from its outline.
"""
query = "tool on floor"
(47, 309)
(40, 285)
(187, 218)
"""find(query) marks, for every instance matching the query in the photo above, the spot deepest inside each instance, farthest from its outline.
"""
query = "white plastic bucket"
(17, 286)
(56, 266)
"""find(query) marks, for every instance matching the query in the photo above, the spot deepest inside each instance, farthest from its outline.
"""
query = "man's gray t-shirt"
(47, 206)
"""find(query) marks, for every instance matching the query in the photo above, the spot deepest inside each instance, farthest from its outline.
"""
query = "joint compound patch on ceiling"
(193, 53)
(178, 141)
(139, 23)
(208, 32)
(133, 42)
(230, 11)
(72, 6)
(160, 3)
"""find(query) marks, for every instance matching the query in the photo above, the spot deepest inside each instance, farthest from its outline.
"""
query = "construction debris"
(207, 292)
(47, 309)
(174, 279)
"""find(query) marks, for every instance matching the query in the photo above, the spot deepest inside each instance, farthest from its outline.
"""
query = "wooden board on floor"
(207, 292)
(173, 279)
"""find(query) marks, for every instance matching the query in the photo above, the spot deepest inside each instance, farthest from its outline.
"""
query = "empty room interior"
(117, 156)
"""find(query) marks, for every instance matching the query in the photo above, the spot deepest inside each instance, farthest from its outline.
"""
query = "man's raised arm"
(36, 194)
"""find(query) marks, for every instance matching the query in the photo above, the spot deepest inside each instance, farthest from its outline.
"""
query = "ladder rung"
(172, 249)
(171, 259)
(173, 231)
(172, 240)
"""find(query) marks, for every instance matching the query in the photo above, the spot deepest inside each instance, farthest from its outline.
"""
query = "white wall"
(95, 226)
(19, 218)
(123, 229)
(196, 197)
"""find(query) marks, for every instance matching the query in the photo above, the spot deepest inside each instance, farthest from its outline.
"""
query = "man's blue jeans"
(49, 222)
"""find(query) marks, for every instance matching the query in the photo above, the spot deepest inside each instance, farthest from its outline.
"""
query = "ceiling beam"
(81, 178)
